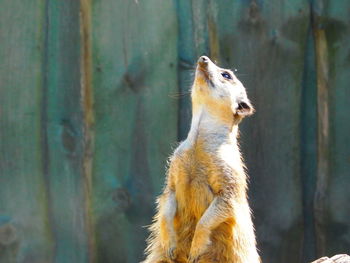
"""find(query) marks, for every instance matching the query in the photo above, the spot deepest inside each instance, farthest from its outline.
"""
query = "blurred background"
(94, 98)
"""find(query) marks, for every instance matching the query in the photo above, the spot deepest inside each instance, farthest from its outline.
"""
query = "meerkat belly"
(194, 196)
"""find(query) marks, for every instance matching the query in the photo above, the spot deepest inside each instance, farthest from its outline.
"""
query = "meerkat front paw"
(171, 252)
(169, 247)
(195, 255)
(192, 259)
(200, 243)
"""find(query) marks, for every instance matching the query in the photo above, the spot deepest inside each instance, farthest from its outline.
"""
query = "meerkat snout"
(219, 87)
(203, 59)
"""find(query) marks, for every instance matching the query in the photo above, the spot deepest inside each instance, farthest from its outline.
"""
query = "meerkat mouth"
(204, 72)
(202, 66)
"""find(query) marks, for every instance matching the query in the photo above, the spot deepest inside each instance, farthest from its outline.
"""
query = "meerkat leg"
(167, 231)
(217, 212)
(244, 236)
(220, 210)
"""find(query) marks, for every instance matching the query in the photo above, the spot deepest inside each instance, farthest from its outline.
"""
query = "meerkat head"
(220, 92)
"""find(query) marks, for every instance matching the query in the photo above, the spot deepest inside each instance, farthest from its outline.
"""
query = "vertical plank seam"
(45, 156)
(322, 177)
(308, 161)
(214, 48)
(88, 121)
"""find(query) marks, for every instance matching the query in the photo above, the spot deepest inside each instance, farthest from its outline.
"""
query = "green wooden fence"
(94, 96)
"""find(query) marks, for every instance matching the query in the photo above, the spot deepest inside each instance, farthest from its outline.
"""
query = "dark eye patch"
(226, 75)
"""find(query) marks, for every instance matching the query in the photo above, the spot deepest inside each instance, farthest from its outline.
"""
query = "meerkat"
(203, 214)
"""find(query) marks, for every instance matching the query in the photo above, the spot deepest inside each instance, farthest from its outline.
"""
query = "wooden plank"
(266, 41)
(197, 36)
(332, 36)
(134, 73)
(88, 120)
(65, 133)
(186, 64)
(308, 147)
(323, 143)
(23, 196)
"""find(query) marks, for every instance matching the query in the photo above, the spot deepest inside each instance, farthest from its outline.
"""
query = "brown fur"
(203, 214)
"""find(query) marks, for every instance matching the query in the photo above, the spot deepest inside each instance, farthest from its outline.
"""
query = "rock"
(341, 258)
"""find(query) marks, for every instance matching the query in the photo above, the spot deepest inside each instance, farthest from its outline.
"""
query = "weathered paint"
(88, 120)
(23, 193)
(332, 25)
(134, 74)
(323, 141)
(308, 147)
(65, 133)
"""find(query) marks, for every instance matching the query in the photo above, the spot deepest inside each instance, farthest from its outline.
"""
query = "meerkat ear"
(244, 108)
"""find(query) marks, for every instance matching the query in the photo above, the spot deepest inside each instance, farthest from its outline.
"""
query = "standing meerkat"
(203, 214)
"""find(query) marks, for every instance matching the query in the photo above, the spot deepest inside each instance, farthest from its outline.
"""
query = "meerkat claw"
(193, 259)
(171, 253)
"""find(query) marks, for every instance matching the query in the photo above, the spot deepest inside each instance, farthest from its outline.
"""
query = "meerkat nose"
(203, 62)
(203, 59)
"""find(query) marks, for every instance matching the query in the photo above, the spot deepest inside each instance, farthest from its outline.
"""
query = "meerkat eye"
(226, 75)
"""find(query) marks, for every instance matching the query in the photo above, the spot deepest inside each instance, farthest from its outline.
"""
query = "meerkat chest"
(194, 193)
(199, 178)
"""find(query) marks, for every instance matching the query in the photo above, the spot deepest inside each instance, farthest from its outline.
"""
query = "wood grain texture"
(332, 28)
(65, 133)
(187, 55)
(87, 102)
(308, 147)
(134, 75)
(23, 194)
(323, 143)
